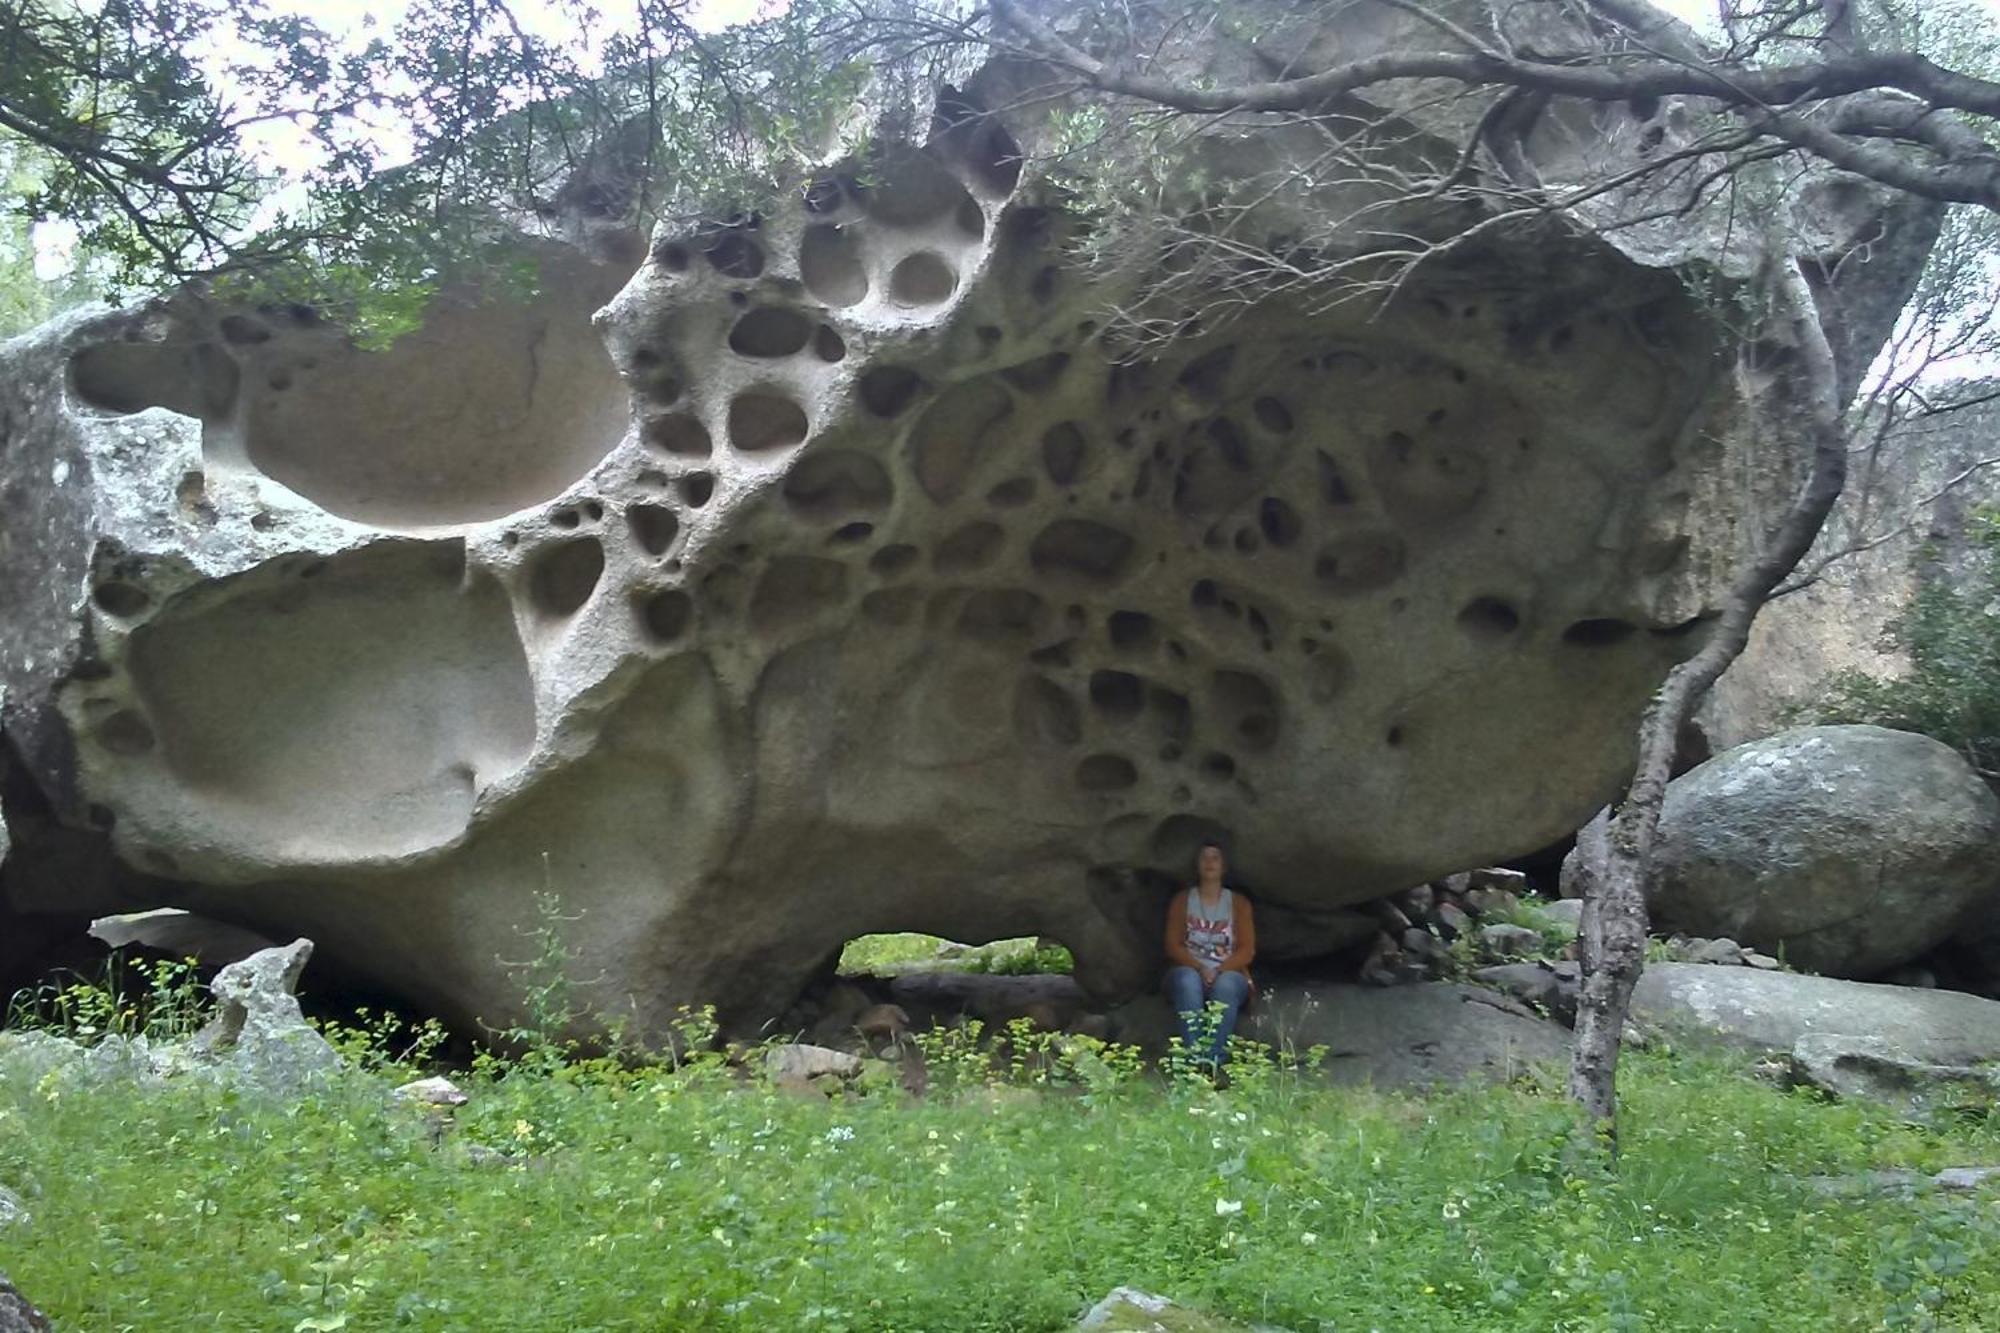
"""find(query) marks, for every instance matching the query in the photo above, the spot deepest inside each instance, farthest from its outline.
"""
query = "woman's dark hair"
(1207, 843)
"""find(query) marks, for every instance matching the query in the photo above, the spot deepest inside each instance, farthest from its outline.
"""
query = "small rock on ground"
(16, 1315)
(1128, 1310)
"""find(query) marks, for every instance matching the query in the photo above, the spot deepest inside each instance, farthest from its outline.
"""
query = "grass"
(664, 1198)
(887, 955)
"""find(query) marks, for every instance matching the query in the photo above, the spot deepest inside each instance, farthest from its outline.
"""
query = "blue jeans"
(1184, 992)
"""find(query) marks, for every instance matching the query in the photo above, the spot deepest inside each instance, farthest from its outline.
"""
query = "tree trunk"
(1614, 923)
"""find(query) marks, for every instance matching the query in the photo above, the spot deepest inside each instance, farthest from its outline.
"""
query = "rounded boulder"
(1846, 850)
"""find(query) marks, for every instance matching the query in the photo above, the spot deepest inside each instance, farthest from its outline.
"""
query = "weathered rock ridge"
(829, 575)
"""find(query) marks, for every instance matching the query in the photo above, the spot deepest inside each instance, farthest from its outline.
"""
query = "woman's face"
(1209, 863)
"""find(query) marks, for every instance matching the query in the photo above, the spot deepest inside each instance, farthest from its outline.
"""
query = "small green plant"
(166, 1005)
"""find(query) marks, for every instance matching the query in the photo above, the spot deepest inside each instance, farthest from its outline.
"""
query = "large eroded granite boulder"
(1771, 1011)
(830, 573)
(1846, 850)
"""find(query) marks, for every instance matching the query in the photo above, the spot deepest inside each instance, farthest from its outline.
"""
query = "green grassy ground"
(887, 955)
(669, 1200)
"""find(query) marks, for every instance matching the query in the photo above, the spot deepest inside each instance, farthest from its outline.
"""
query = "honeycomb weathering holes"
(924, 278)
(678, 434)
(830, 263)
(953, 434)
(733, 254)
(970, 547)
(770, 331)
(1063, 450)
(120, 599)
(887, 390)
(1599, 632)
(1045, 714)
(1131, 631)
(838, 483)
(1082, 549)
(762, 421)
(1106, 772)
(1247, 706)
(1001, 615)
(695, 488)
(666, 614)
(564, 575)
(125, 734)
(1117, 694)
(893, 561)
(654, 526)
(1488, 618)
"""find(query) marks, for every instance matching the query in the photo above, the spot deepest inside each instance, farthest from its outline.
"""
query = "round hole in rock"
(1488, 618)
(971, 218)
(770, 331)
(1246, 705)
(1272, 415)
(763, 421)
(1106, 772)
(695, 488)
(893, 561)
(243, 331)
(888, 390)
(666, 615)
(120, 599)
(832, 483)
(1081, 549)
(1044, 713)
(823, 195)
(679, 434)
(734, 255)
(1063, 450)
(830, 263)
(1395, 737)
(1131, 631)
(653, 526)
(671, 256)
(125, 734)
(1001, 615)
(1599, 632)
(1012, 493)
(849, 533)
(971, 547)
(924, 278)
(1218, 766)
(564, 575)
(828, 345)
(1280, 522)
(566, 519)
(1116, 694)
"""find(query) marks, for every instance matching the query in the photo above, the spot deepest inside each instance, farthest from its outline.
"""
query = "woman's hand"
(1209, 972)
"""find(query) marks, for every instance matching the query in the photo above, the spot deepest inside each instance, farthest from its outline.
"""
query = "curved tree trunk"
(1614, 924)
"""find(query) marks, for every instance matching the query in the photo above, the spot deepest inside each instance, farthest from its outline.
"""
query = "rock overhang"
(832, 574)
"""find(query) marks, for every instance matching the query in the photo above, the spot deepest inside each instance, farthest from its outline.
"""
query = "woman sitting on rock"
(1210, 942)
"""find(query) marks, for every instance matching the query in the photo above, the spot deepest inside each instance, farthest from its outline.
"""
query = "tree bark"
(1614, 923)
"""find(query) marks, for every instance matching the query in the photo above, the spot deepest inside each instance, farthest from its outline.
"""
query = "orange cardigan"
(1242, 929)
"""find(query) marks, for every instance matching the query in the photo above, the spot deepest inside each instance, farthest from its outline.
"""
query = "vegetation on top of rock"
(1951, 634)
